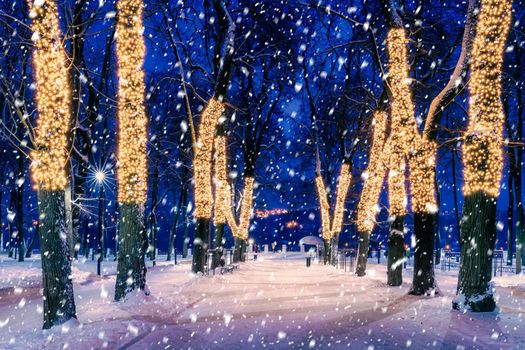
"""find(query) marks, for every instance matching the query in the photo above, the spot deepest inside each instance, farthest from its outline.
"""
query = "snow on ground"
(274, 302)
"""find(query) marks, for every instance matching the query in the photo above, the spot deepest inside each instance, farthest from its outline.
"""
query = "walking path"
(274, 302)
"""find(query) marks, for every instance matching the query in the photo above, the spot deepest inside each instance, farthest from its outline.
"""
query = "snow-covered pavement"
(274, 302)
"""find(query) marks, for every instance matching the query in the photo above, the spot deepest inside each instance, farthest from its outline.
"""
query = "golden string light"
(241, 229)
(222, 188)
(324, 208)
(332, 226)
(246, 209)
(345, 177)
(265, 213)
(482, 150)
(373, 176)
(223, 209)
(403, 125)
(132, 133)
(53, 96)
(422, 177)
(203, 158)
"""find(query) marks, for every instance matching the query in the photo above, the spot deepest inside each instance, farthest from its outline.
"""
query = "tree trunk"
(59, 301)
(437, 234)
(20, 212)
(510, 222)
(76, 214)
(236, 250)
(152, 216)
(69, 219)
(362, 253)
(85, 240)
(423, 281)
(327, 251)
(243, 250)
(173, 233)
(218, 245)
(396, 245)
(334, 246)
(131, 268)
(477, 235)
(185, 237)
(200, 244)
(520, 238)
(29, 250)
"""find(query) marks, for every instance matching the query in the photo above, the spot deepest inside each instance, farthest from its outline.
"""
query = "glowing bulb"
(132, 133)
(100, 176)
(53, 96)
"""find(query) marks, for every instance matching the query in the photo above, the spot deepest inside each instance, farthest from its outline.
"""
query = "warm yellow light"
(324, 208)
(241, 229)
(100, 176)
(483, 146)
(222, 188)
(202, 169)
(132, 120)
(332, 226)
(403, 126)
(53, 95)
(345, 178)
(422, 177)
(373, 176)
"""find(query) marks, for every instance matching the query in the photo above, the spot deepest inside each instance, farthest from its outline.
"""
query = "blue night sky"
(280, 48)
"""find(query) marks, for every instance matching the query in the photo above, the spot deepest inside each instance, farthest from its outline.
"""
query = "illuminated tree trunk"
(131, 269)
(483, 159)
(203, 150)
(423, 281)
(59, 302)
(396, 248)
(372, 188)
(132, 172)
(49, 159)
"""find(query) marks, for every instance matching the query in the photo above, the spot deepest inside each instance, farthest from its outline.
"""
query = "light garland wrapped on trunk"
(324, 208)
(222, 188)
(332, 226)
(422, 162)
(483, 150)
(224, 213)
(49, 158)
(132, 169)
(241, 229)
(53, 95)
(202, 170)
(483, 159)
(373, 177)
(132, 121)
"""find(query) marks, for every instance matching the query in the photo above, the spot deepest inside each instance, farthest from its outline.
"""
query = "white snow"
(274, 302)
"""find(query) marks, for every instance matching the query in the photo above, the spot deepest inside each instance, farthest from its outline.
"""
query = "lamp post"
(100, 177)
